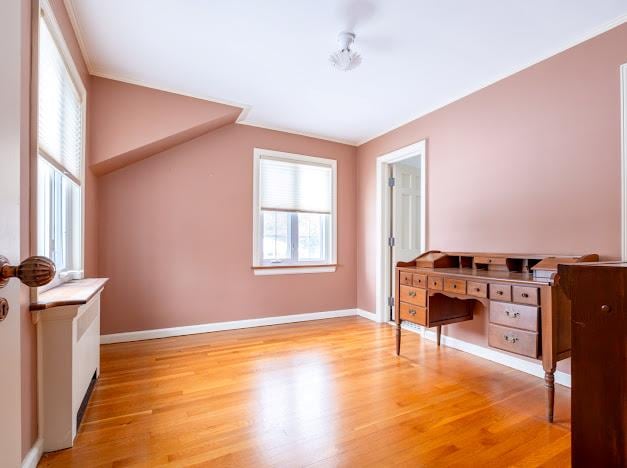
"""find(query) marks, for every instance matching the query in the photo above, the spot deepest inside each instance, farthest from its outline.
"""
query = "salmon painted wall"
(28, 331)
(529, 164)
(175, 236)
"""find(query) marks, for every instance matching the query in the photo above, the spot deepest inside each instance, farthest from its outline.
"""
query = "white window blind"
(60, 120)
(60, 145)
(295, 186)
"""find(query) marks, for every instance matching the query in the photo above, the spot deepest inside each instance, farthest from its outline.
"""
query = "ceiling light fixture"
(345, 59)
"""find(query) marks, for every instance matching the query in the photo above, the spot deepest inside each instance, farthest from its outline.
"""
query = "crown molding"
(589, 35)
(299, 133)
(71, 12)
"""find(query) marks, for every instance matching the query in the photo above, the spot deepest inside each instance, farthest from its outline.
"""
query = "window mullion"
(294, 237)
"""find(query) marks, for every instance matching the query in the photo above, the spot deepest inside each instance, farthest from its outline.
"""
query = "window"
(60, 150)
(294, 213)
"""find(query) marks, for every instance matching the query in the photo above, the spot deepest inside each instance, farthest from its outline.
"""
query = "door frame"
(623, 171)
(383, 285)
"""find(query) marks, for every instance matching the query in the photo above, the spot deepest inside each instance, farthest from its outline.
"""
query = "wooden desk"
(528, 314)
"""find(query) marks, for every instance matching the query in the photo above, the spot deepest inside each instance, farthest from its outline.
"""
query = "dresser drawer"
(435, 282)
(405, 278)
(413, 313)
(456, 286)
(513, 340)
(514, 315)
(415, 296)
(500, 292)
(477, 289)
(526, 295)
(420, 281)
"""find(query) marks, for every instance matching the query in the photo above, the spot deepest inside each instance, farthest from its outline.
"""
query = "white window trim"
(65, 275)
(265, 270)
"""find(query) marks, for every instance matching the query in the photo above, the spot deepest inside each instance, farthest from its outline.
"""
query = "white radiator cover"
(68, 355)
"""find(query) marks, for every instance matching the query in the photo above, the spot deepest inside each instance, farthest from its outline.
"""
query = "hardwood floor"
(323, 393)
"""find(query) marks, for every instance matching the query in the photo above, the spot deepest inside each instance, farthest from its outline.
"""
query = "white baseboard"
(490, 354)
(365, 314)
(34, 454)
(222, 326)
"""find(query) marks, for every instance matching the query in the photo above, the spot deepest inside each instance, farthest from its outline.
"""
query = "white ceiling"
(271, 56)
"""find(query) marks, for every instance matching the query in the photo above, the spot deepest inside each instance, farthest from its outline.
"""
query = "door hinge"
(391, 241)
(391, 301)
(391, 182)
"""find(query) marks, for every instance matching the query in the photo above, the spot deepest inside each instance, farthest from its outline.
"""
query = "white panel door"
(406, 217)
(10, 52)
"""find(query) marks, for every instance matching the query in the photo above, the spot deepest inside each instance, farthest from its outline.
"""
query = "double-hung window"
(294, 223)
(60, 154)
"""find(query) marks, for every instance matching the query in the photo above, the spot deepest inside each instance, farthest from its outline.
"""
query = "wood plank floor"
(323, 393)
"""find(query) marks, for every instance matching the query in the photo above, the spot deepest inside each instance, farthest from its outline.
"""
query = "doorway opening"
(401, 217)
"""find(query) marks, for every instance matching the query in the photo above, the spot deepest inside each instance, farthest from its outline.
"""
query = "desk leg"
(439, 334)
(549, 383)
(398, 338)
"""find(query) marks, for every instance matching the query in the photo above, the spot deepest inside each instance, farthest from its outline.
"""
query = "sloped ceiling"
(129, 123)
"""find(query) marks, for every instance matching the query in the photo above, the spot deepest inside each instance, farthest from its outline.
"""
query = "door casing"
(383, 283)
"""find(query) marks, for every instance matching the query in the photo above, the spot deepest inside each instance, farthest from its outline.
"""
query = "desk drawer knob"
(500, 293)
(525, 295)
(512, 314)
(605, 308)
(412, 312)
(412, 293)
(477, 289)
(454, 286)
(510, 338)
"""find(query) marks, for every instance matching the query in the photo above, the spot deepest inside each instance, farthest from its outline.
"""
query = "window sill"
(77, 292)
(293, 269)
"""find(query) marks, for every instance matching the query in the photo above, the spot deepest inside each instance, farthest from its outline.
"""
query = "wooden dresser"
(599, 362)
(528, 314)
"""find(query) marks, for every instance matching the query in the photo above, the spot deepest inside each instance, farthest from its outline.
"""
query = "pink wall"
(529, 164)
(176, 236)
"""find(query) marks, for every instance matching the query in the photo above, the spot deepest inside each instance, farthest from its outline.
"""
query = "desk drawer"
(513, 340)
(413, 314)
(415, 296)
(477, 289)
(525, 295)
(500, 292)
(456, 286)
(405, 278)
(514, 315)
(435, 282)
(420, 281)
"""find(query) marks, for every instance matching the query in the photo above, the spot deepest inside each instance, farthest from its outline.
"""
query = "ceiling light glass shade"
(345, 60)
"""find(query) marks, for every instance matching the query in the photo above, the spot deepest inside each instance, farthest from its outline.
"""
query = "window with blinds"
(60, 145)
(295, 209)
